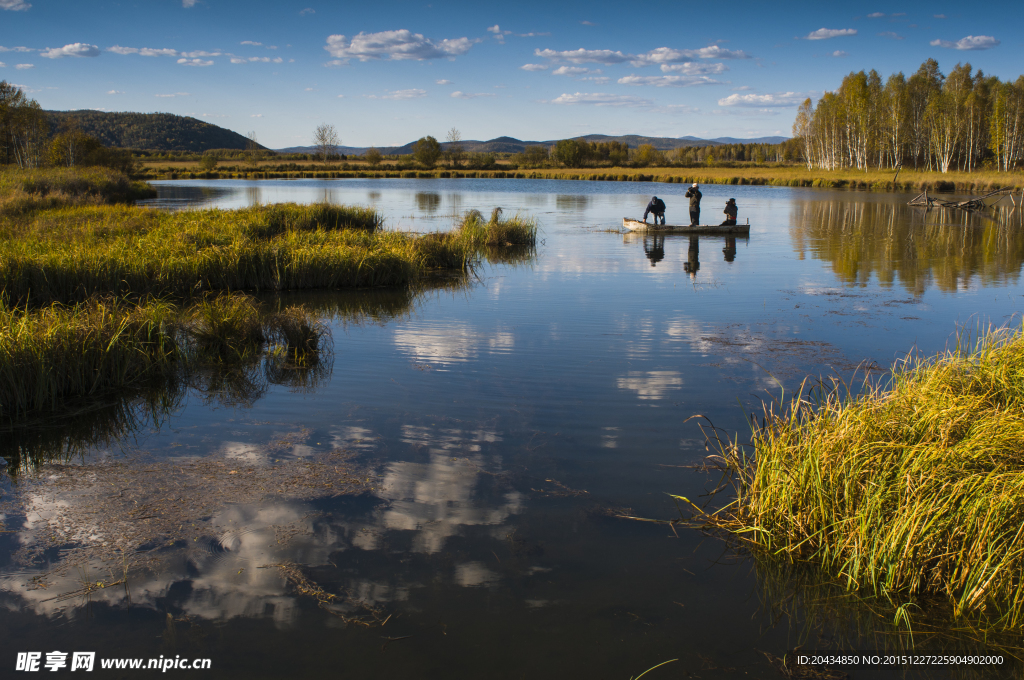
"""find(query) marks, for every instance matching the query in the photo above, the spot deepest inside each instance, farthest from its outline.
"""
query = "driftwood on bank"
(986, 201)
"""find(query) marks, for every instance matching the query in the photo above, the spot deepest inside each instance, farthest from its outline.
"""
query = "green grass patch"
(59, 353)
(25, 191)
(911, 488)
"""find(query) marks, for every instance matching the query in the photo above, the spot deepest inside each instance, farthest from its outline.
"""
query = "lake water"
(506, 423)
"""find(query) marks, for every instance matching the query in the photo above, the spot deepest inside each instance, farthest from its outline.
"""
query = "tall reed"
(912, 487)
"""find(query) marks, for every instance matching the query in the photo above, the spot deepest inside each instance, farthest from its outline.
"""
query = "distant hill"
(513, 145)
(151, 131)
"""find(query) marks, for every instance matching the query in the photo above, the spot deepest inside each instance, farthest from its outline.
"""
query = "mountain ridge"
(507, 144)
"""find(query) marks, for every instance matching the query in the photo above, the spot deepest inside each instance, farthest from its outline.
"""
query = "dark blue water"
(507, 424)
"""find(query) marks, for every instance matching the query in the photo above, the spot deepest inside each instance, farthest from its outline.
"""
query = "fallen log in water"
(986, 201)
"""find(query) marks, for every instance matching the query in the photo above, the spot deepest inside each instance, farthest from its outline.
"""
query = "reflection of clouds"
(252, 454)
(223, 575)
(610, 437)
(472, 574)
(449, 342)
(651, 384)
(436, 499)
(354, 438)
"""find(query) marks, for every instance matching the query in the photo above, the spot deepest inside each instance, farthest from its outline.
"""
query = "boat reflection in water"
(654, 248)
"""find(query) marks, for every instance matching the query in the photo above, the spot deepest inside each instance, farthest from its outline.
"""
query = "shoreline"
(910, 180)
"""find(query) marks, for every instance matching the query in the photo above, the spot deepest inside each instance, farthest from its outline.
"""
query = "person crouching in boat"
(730, 213)
(657, 208)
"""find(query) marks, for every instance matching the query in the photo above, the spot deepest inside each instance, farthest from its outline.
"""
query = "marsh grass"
(910, 488)
(72, 254)
(59, 353)
(25, 191)
(496, 232)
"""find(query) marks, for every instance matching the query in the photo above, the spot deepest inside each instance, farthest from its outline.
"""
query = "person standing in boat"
(694, 195)
(730, 213)
(657, 208)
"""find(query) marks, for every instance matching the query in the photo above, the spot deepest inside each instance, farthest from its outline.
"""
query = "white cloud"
(238, 60)
(826, 33)
(24, 67)
(777, 99)
(188, 3)
(573, 71)
(2, 65)
(195, 62)
(678, 108)
(201, 53)
(443, 82)
(742, 88)
(694, 68)
(582, 56)
(876, 15)
(601, 99)
(414, 93)
(534, 67)
(891, 34)
(16, 49)
(256, 115)
(308, 10)
(401, 44)
(971, 42)
(251, 42)
(667, 55)
(72, 50)
(495, 29)
(470, 95)
(14, 5)
(668, 81)
(312, 89)
(115, 92)
(531, 34)
(143, 51)
(588, 23)
(839, 53)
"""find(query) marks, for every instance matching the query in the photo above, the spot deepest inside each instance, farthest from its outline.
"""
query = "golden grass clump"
(24, 191)
(915, 487)
(58, 353)
(496, 232)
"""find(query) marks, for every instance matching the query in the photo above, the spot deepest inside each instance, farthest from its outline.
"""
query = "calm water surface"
(507, 422)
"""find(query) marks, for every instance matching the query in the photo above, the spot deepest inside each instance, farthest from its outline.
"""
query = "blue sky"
(388, 73)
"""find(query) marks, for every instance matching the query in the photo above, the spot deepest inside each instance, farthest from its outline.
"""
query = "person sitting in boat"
(657, 208)
(693, 193)
(730, 213)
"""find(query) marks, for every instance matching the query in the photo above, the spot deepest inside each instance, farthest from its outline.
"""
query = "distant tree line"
(962, 121)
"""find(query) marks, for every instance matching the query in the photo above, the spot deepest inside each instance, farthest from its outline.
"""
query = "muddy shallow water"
(469, 448)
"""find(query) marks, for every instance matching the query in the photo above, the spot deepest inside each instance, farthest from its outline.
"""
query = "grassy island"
(97, 294)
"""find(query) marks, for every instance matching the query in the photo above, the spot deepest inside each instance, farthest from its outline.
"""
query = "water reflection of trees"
(428, 201)
(941, 247)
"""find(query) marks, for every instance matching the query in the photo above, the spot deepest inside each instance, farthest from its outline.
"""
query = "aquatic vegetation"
(24, 191)
(912, 487)
(51, 355)
(497, 231)
(71, 254)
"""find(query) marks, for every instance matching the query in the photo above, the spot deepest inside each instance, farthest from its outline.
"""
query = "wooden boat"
(640, 226)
